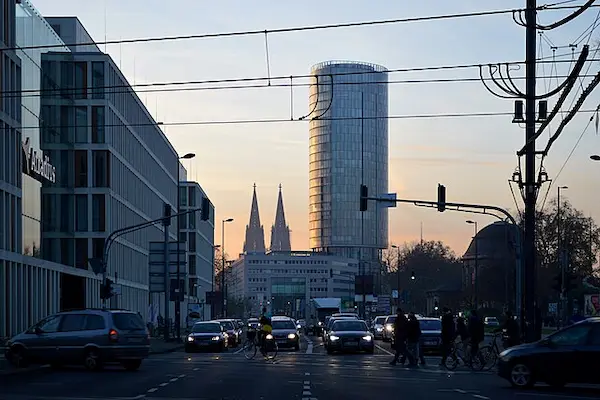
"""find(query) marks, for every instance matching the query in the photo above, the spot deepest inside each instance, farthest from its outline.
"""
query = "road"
(309, 374)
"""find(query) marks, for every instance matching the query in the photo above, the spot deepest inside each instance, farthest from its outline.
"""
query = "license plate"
(431, 343)
(351, 343)
(281, 341)
(135, 340)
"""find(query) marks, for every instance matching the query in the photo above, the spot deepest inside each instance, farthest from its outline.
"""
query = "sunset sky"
(473, 157)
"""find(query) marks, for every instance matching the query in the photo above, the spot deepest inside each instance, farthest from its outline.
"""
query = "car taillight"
(113, 335)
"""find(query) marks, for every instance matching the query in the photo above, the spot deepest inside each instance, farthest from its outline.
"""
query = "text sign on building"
(36, 164)
(156, 263)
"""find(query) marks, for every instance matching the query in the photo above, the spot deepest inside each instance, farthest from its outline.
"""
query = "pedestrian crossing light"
(364, 194)
(106, 289)
(436, 305)
(412, 275)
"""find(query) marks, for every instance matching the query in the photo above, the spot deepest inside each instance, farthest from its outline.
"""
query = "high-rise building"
(255, 233)
(280, 231)
(348, 146)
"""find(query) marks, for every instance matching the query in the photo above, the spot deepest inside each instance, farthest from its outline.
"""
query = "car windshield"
(349, 326)
(379, 320)
(430, 325)
(283, 325)
(391, 319)
(206, 328)
(128, 321)
(228, 325)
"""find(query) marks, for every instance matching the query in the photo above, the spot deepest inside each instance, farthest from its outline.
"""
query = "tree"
(580, 240)
(431, 263)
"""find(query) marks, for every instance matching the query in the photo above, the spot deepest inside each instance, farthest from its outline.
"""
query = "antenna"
(105, 40)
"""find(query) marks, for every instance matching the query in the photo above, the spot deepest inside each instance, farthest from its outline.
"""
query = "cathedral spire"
(255, 235)
(280, 232)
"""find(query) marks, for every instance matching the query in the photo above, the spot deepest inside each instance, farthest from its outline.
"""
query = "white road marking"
(307, 382)
(163, 384)
(558, 396)
(182, 376)
(196, 369)
(384, 350)
(173, 379)
(481, 397)
(306, 393)
(152, 390)
(307, 373)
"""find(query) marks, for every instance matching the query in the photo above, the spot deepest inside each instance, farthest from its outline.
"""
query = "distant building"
(348, 134)
(255, 233)
(280, 232)
(285, 281)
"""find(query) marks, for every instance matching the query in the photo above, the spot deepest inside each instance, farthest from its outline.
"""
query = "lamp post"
(397, 272)
(178, 288)
(223, 264)
(476, 300)
(561, 260)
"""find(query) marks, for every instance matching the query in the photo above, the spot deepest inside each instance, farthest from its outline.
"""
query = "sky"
(473, 157)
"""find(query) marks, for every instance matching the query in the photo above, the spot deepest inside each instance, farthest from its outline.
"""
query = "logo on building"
(36, 164)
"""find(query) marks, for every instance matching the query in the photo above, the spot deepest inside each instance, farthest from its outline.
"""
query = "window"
(66, 124)
(72, 323)
(192, 243)
(97, 248)
(574, 336)
(192, 220)
(128, 321)
(98, 79)
(81, 253)
(66, 251)
(183, 195)
(66, 213)
(98, 214)
(183, 221)
(98, 125)
(94, 322)
(81, 81)
(81, 125)
(192, 265)
(80, 168)
(81, 213)
(50, 324)
(192, 196)
(100, 165)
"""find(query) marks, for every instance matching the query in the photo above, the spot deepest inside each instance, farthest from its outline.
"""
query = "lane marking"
(384, 350)
(196, 369)
(163, 384)
(182, 376)
(307, 382)
(307, 373)
(173, 379)
(152, 390)
(481, 397)
(306, 393)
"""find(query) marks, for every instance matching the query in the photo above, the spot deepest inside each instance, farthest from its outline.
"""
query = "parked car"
(91, 337)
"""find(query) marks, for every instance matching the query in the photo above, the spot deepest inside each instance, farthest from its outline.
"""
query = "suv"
(89, 336)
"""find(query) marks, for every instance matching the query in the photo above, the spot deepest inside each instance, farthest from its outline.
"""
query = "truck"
(318, 310)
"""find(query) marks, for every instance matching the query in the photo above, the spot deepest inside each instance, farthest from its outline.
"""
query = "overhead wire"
(254, 32)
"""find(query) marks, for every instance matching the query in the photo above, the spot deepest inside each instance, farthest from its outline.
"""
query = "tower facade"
(280, 231)
(348, 146)
(255, 234)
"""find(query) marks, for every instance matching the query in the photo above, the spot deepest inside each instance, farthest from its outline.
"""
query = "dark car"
(350, 335)
(566, 356)
(206, 336)
(330, 322)
(378, 327)
(233, 333)
(285, 333)
(431, 331)
(89, 336)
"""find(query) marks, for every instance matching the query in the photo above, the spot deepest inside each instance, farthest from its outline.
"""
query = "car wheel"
(521, 376)
(91, 360)
(17, 357)
(131, 365)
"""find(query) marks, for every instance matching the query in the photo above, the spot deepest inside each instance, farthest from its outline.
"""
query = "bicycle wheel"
(250, 349)
(478, 362)
(490, 357)
(270, 350)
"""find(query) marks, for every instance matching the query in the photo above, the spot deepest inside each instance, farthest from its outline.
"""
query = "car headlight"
(292, 336)
(269, 336)
(320, 324)
(379, 329)
(333, 337)
(389, 328)
(190, 338)
(298, 326)
(367, 338)
(216, 338)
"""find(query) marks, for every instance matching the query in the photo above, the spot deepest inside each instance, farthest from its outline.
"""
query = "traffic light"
(412, 275)
(557, 285)
(441, 202)
(167, 214)
(436, 305)
(106, 289)
(570, 282)
(364, 194)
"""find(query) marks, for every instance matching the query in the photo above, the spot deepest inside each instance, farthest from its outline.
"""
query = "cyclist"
(265, 327)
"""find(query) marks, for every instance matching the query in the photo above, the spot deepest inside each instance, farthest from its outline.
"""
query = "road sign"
(156, 263)
(395, 293)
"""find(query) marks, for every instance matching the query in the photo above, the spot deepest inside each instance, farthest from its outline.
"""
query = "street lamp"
(561, 263)
(178, 286)
(595, 157)
(476, 262)
(223, 264)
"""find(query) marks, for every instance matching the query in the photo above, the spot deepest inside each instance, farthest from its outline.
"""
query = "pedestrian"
(510, 330)
(448, 335)
(462, 333)
(413, 339)
(400, 334)
(476, 334)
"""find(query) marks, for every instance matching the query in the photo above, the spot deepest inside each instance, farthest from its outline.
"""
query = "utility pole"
(530, 183)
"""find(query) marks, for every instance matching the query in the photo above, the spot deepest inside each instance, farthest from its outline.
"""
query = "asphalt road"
(309, 374)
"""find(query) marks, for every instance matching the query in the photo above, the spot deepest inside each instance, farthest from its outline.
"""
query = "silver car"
(90, 337)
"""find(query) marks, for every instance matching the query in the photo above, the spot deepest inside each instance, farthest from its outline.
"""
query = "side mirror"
(37, 330)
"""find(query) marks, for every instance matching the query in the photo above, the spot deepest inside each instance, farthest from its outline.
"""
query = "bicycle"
(252, 344)
(462, 354)
(491, 352)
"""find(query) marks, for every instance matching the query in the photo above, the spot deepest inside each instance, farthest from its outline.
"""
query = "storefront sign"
(36, 164)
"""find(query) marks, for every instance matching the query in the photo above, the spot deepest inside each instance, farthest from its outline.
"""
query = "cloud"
(444, 161)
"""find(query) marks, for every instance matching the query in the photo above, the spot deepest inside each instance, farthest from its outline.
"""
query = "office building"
(199, 238)
(348, 133)
(284, 282)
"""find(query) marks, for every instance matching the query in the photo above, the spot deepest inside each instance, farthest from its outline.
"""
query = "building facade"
(284, 282)
(199, 238)
(348, 146)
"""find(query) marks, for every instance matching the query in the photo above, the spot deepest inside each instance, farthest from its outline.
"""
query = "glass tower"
(348, 145)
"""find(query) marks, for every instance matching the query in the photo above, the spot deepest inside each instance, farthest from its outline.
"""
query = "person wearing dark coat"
(400, 336)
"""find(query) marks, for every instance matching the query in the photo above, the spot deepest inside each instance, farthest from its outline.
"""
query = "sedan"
(350, 335)
(285, 333)
(233, 333)
(206, 336)
(431, 331)
(378, 327)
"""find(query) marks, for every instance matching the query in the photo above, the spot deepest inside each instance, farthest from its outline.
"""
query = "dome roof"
(494, 239)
